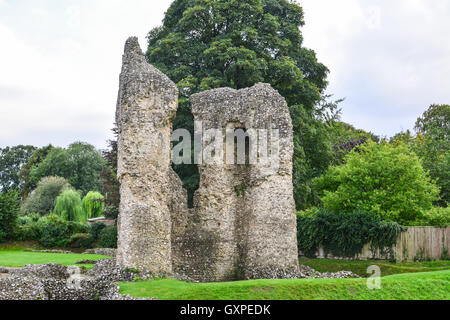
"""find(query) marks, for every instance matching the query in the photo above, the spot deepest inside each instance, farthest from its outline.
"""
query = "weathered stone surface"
(56, 282)
(102, 251)
(245, 213)
(146, 106)
(243, 223)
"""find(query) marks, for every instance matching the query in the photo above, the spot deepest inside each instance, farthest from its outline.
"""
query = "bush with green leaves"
(93, 204)
(9, 212)
(96, 228)
(69, 207)
(50, 231)
(42, 200)
(436, 217)
(53, 232)
(108, 237)
(384, 180)
(344, 234)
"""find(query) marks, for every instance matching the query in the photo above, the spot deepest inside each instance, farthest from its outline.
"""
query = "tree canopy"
(42, 200)
(432, 144)
(385, 180)
(12, 159)
(205, 44)
(80, 164)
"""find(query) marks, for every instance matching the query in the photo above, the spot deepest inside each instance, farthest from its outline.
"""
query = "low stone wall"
(417, 243)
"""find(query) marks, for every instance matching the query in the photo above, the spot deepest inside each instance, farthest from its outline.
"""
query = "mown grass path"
(410, 286)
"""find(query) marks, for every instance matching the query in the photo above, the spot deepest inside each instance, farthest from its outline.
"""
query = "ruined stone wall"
(243, 225)
(247, 211)
(146, 106)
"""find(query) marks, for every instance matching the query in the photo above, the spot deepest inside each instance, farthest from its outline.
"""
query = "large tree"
(433, 146)
(38, 156)
(206, 44)
(80, 164)
(431, 143)
(12, 159)
(385, 180)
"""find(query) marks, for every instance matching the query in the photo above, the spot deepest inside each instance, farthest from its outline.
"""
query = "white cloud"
(391, 65)
(60, 62)
(59, 75)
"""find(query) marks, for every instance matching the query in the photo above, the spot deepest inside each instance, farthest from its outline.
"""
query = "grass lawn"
(387, 269)
(409, 286)
(22, 258)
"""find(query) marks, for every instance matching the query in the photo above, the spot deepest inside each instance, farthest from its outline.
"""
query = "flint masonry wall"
(243, 224)
(146, 106)
(247, 210)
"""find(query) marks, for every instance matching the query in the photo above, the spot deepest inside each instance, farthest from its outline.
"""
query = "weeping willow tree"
(93, 204)
(69, 207)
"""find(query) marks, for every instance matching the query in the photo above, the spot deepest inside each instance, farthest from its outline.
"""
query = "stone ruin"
(243, 224)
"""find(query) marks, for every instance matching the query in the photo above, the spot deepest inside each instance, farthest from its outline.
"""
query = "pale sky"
(60, 62)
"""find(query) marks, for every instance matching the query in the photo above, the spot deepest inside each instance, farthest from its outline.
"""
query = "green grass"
(387, 269)
(410, 286)
(18, 258)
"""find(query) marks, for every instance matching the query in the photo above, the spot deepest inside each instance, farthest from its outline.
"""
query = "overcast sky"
(60, 62)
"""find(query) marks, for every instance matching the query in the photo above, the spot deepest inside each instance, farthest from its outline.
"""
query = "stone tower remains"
(146, 106)
(243, 223)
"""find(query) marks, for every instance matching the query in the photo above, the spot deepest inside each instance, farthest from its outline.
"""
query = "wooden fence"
(417, 243)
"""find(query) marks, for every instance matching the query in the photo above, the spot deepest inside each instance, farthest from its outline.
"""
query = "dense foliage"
(346, 138)
(12, 159)
(433, 137)
(93, 204)
(9, 211)
(50, 231)
(206, 44)
(36, 158)
(42, 200)
(108, 237)
(344, 234)
(436, 217)
(108, 179)
(69, 207)
(80, 164)
(383, 180)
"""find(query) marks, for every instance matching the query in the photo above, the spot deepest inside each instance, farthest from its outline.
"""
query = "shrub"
(42, 200)
(69, 206)
(28, 229)
(51, 231)
(108, 237)
(96, 229)
(80, 240)
(28, 219)
(384, 180)
(93, 204)
(344, 234)
(9, 212)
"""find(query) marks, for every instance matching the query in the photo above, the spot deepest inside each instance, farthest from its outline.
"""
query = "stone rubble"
(50, 281)
(102, 251)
